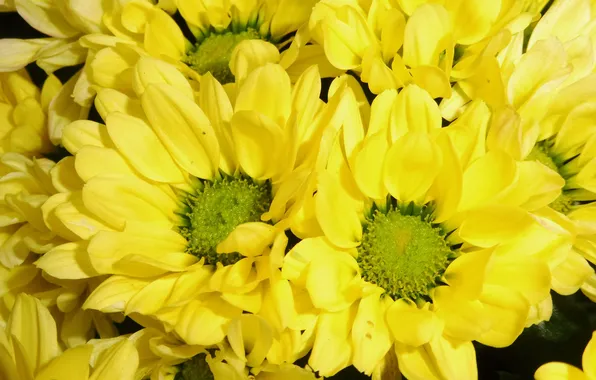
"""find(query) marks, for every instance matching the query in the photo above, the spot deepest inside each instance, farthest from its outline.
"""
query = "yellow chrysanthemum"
(392, 44)
(228, 39)
(29, 350)
(185, 195)
(243, 355)
(564, 371)
(27, 185)
(23, 111)
(543, 116)
(425, 245)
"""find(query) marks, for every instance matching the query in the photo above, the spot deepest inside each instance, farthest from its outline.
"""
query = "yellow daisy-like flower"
(23, 111)
(29, 350)
(187, 195)
(227, 39)
(27, 185)
(543, 115)
(425, 245)
(563, 371)
(392, 44)
(241, 356)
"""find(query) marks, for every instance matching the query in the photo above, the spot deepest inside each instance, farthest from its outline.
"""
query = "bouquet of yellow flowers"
(297, 189)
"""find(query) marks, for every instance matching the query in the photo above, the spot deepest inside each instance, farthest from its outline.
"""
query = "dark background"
(562, 339)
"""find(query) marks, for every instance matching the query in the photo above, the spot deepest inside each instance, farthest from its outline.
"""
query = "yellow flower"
(185, 202)
(392, 44)
(543, 118)
(23, 111)
(422, 240)
(26, 213)
(564, 371)
(243, 355)
(30, 350)
(227, 39)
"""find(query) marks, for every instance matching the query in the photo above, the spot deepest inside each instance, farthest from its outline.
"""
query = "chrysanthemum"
(30, 350)
(543, 117)
(242, 355)
(190, 195)
(226, 39)
(422, 240)
(392, 44)
(564, 371)
(23, 110)
(27, 185)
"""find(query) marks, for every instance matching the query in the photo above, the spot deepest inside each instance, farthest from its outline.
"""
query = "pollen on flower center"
(215, 210)
(564, 203)
(403, 254)
(194, 369)
(213, 53)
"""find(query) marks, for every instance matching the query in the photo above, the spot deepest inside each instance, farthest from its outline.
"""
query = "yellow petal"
(32, 325)
(507, 311)
(109, 100)
(118, 200)
(432, 79)
(415, 111)
(74, 361)
(588, 363)
(368, 168)
(63, 110)
(266, 90)
(248, 239)
(218, 108)
(141, 147)
(92, 161)
(529, 277)
(411, 325)
(64, 176)
(192, 142)
(85, 132)
(259, 144)
(112, 295)
(107, 247)
(251, 54)
(331, 281)
(250, 337)
(332, 351)
(492, 225)
(564, 20)
(205, 322)
(150, 70)
(152, 297)
(559, 371)
(340, 222)
(467, 273)
(45, 18)
(411, 166)
(487, 178)
(423, 45)
(67, 261)
(119, 361)
(289, 16)
(19, 53)
(370, 333)
(463, 317)
(163, 36)
(447, 187)
(472, 19)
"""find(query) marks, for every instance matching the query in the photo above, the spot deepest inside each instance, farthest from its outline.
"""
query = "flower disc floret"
(213, 53)
(404, 254)
(214, 210)
(196, 368)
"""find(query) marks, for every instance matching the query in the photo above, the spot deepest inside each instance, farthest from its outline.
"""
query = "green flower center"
(404, 254)
(214, 211)
(194, 369)
(541, 153)
(213, 53)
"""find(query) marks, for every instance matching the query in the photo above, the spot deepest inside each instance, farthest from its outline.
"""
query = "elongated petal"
(19, 53)
(259, 144)
(163, 36)
(67, 261)
(414, 110)
(248, 239)
(45, 18)
(112, 295)
(74, 361)
(410, 325)
(117, 200)
(340, 223)
(559, 371)
(330, 281)
(192, 141)
(119, 361)
(411, 166)
(85, 132)
(33, 327)
(489, 226)
(141, 147)
(423, 45)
